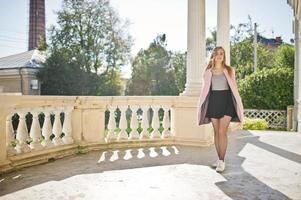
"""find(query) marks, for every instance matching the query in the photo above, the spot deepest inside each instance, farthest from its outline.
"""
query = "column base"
(184, 125)
(297, 116)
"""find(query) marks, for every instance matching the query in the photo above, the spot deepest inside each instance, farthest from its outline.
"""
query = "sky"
(148, 18)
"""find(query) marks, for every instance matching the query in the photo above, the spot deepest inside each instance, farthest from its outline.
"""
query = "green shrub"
(268, 89)
(285, 56)
(255, 124)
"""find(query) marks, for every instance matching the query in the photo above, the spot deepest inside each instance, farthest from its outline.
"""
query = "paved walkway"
(259, 165)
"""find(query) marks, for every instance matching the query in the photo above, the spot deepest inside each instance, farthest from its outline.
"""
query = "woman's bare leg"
(223, 137)
(215, 124)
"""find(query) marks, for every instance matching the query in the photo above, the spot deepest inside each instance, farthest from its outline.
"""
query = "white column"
(223, 27)
(196, 47)
(297, 79)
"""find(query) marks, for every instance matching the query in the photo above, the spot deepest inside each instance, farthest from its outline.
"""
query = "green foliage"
(255, 124)
(285, 56)
(268, 89)
(92, 29)
(178, 64)
(242, 57)
(88, 46)
(211, 40)
(64, 76)
(110, 82)
(139, 129)
(42, 45)
(271, 86)
(242, 51)
(152, 72)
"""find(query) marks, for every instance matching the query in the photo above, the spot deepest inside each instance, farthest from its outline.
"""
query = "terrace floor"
(259, 165)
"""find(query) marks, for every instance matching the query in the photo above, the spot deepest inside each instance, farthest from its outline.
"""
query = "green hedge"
(268, 89)
(255, 124)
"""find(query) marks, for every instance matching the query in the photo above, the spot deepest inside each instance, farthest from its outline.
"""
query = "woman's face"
(219, 55)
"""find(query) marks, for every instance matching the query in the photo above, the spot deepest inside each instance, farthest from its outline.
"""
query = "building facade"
(18, 73)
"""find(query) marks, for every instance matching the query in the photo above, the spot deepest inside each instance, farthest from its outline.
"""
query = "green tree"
(64, 76)
(110, 82)
(94, 31)
(152, 73)
(242, 51)
(91, 33)
(178, 65)
(140, 82)
(242, 57)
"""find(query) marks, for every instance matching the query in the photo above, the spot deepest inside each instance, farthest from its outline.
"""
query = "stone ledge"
(39, 157)
(192, 142)
(86, 147)
(5, 166)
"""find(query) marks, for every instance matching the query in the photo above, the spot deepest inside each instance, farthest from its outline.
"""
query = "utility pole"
(255, 46)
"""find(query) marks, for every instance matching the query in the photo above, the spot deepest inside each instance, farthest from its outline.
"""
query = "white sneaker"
(215, 163)
(220, 166)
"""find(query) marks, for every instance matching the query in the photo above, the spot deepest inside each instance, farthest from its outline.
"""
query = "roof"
(269, 41)
(29, 59)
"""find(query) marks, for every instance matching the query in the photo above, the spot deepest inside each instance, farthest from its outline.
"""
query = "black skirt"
(220, 104)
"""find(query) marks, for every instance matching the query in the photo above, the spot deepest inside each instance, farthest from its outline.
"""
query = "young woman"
(219, 102)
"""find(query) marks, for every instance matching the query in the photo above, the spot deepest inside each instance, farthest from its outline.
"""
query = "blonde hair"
(211, 63)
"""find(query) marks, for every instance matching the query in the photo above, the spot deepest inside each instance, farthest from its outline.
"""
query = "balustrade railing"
(40, 128)
(140, 123)
(28, 134)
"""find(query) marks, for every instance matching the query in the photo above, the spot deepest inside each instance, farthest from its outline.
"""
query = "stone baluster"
(111, 124)
(134, 123)
(155, 122)
(47, 130)
(57, 128)
(122, 124)
(166, 123)
(35, 132)
(10, 136)
(67, 126)
(144, 124)
(22, 134)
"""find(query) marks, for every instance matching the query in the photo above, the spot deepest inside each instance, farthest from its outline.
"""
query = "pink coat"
(204, 98)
